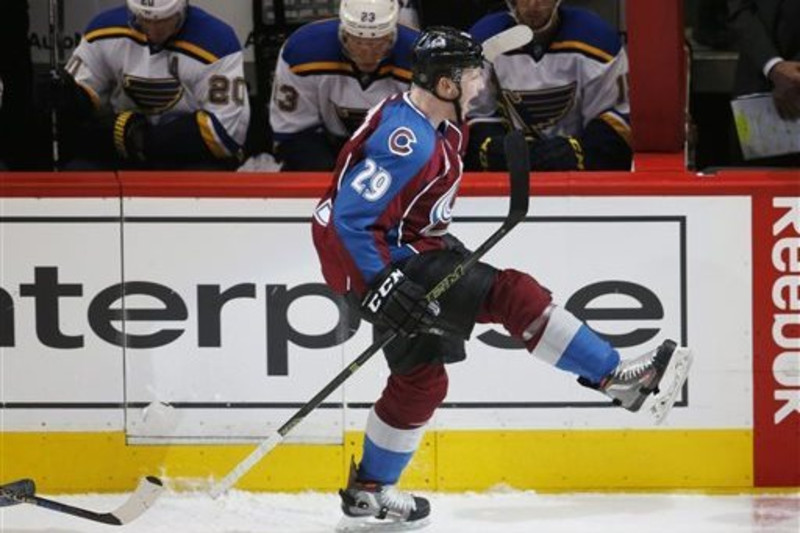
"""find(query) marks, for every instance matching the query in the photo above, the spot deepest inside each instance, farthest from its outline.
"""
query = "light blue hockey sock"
(568, 344)
(387, 450)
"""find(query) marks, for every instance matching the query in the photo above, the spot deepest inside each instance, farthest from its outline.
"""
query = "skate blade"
(368, 524)
(671, 384)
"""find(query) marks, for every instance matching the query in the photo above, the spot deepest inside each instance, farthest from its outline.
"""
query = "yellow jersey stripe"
(322, 66)
(397, 72)
(209, 137)
(583, 47)
(195, 50)
(619, 125)
(340, 66)
(116, 31)
(92, 94)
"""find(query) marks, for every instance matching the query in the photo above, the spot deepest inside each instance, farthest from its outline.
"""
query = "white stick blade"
(507, 40)
(145, 495)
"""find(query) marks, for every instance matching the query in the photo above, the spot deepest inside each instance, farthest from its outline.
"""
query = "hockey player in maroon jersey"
(381, 233)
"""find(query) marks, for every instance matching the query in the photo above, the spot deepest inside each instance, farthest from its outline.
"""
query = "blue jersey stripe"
(369, 191)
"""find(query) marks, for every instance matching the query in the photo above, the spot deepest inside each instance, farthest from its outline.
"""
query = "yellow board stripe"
(596, 460)
(59, 463)
(718, 461)
(208, 135)
(583, 47)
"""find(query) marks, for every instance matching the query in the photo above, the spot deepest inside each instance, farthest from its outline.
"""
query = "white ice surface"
(494, 512)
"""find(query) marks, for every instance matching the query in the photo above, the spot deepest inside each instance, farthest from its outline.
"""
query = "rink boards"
(204, 293)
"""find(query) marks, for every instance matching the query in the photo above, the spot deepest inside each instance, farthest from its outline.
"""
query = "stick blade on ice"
(145, 495)
(138, 502)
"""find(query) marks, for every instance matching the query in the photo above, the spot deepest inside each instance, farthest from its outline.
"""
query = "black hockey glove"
(396, 302)
(558, 153)
(61, 93)
(130, 130)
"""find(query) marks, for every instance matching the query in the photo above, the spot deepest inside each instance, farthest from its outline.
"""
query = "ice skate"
(629, 385)
(374, 507)
(671, 384)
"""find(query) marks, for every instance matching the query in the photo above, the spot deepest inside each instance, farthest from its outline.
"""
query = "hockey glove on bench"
(130, 129)
(398, 303)
(557, 153)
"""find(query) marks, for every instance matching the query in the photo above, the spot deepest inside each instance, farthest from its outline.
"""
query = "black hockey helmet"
(442, 51)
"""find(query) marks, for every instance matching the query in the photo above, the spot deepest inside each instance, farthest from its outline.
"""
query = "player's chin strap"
(455, 101)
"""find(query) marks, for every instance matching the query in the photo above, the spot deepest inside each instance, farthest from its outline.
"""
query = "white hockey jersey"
(558, 89)
(316, 86)
(200, 69)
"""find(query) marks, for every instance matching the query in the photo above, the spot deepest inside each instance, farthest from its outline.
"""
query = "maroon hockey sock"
(409, 400)
(515, 301)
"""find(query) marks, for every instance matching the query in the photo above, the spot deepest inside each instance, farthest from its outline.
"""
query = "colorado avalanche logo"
(442, 212)
(400, 141)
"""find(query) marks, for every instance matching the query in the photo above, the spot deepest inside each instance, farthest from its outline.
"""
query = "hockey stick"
(516, 151)
(149, 489)
(56, 28)
(269, 39)
(507, 40)
(23, 487)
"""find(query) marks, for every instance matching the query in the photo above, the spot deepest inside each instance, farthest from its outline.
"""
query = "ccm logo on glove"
(377, 298)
